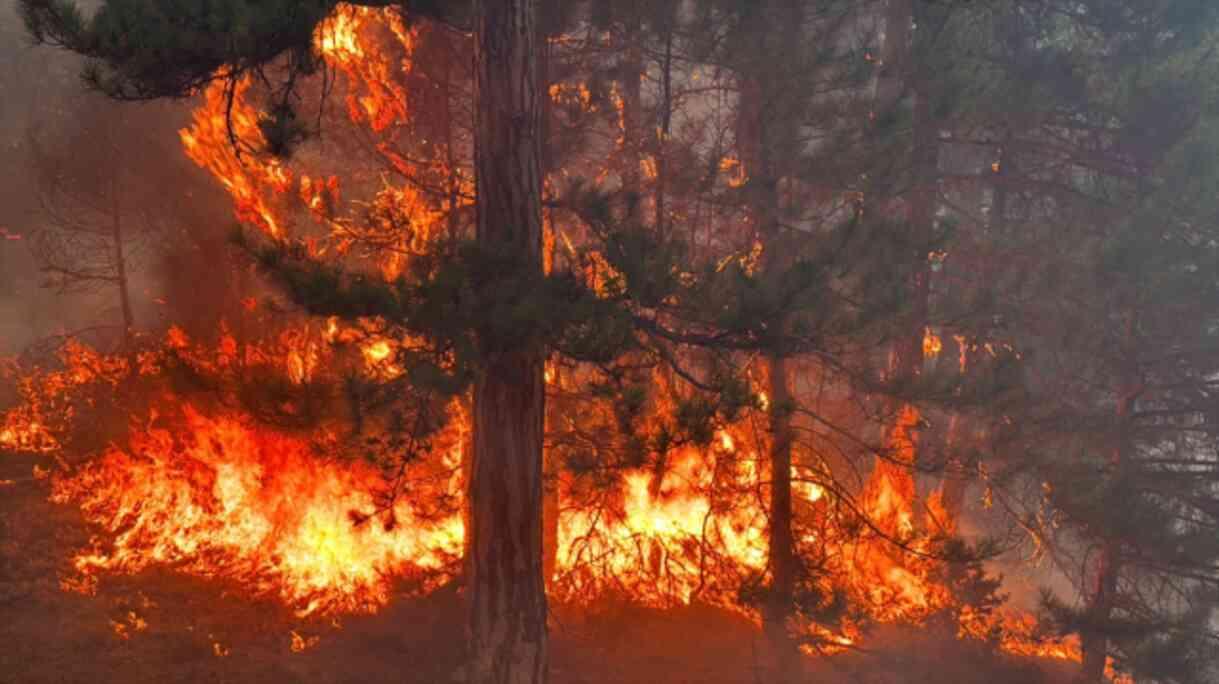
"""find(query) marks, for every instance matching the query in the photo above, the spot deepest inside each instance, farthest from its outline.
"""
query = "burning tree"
(611, 268)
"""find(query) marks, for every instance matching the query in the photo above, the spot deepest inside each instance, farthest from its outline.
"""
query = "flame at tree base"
(222, 497)
(224, 500)
(227, 497)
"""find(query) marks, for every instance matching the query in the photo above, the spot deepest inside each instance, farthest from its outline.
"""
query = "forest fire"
(548, 316)
(220, 496)
(217, 495)
(219, 499)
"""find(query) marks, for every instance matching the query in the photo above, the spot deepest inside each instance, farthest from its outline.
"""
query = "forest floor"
(167, 627)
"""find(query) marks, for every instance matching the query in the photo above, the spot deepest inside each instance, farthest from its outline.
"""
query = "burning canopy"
(219, 492)
(714, 343)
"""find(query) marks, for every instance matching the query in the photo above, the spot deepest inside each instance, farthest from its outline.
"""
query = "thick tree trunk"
(507, 600)
(782, 551)
(507, 595)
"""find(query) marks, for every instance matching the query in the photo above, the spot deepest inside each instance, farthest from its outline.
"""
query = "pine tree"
(1083, 119)
(145, 51)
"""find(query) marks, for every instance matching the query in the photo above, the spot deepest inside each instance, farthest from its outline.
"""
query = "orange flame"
(222, 499)
(219, 495)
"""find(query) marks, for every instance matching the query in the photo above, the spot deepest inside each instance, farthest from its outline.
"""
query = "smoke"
(180, 268)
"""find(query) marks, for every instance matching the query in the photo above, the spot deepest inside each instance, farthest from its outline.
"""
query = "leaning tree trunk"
(507, 599)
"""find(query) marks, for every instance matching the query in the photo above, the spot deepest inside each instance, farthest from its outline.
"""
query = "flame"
(645, 544)
(932, 345)
(218, 494)
(223, 499)
(734, 171)
(343, 40)
(300, 644)
(209, 143)
(377, 351)
(132, 623)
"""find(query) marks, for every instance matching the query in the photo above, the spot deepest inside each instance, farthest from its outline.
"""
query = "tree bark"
(550, 466)
(1100, 604)
(550, 487)
(920, 214)
(782, 551)
(120, 265)
(631, 75)
(953, 481)
(507, 600)
(904, 77)
(1094, 643)
(763, 141)
(666, 120)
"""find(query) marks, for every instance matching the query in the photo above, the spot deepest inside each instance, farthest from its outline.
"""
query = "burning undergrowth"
(243, 486)
(220, 498)
(305, 465)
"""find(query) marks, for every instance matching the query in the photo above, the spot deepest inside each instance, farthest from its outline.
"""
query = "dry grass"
(175, 624)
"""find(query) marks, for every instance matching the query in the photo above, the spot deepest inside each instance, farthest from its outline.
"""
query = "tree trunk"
(1100, 605)
(507, 600)
(1094, 643)
(120, 266)
(782, 552)
(666, 120)
(453, 175)
(631, 76)
(550, 466)
(891, 80)
(920, 218)
(953, 481)
(904, 77)
(761, 140)
(550, 487)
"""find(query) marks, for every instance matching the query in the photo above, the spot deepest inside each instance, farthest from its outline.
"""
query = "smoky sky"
(45, 106)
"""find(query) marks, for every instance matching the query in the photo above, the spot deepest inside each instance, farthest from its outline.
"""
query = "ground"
(161, 626)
